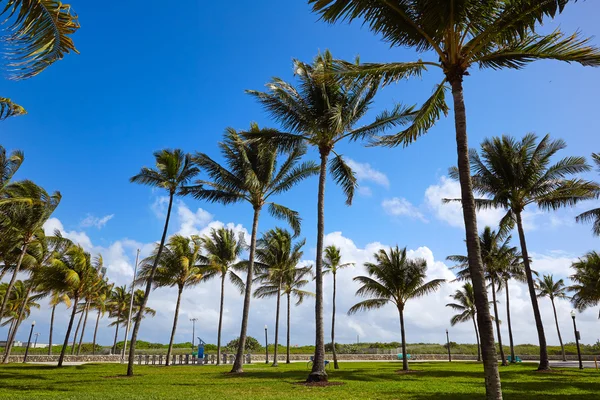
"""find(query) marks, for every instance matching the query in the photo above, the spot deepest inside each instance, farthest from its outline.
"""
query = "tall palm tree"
(179, 266)
(465, 305)
(96, 288)
(101, 303)
(222, 249)
(322, 111)
(394, 278)
(332, 263)
(586, 281)
(546, 287)
(28, 220)
(56, 299)
(294, 281)
(173, 170)
(594, 214)
(460, 36)
(252, 176)
(276, 256)
(39, 34)
(119, 309)
(514, 174)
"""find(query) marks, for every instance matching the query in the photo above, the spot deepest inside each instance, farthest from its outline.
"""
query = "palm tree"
(252, 177)
(101, 303)
(293, 283)
(173, 170)
(586, 281)
(322, 111)
(546, 287)
(514, 174)
(56, 298)
(28, 220)
(178, 266)
(39, 35)
(9, 165)
(276, 256)
(118, 308)
(594, 214)
(222, 249)
(460, 36)
(332, 264)
(395, 279)
(465, 305)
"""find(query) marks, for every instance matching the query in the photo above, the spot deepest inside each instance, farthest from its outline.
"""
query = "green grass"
(361, 381)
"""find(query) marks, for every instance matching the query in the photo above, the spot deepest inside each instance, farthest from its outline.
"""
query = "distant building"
(16, 343)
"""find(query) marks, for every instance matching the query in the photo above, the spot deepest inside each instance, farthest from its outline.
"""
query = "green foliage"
(252, 345)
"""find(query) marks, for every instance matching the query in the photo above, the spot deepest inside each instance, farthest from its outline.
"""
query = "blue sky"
(150, 77)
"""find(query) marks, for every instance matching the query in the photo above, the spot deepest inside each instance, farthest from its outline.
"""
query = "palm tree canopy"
(332, 260)
(393, 278)
(9, 164)
(173, 169)
(252, 173)
(547, 287)
(586, 281)
(18, 299)
(222, 248)
(594, 214)
(461, 34)
(464, 303)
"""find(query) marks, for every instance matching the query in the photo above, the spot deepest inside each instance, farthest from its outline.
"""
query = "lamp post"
(577, 339)
(193, 331)
(29, 341)
(36, 338)
(448, 344)
(137, 256)
(266, 347)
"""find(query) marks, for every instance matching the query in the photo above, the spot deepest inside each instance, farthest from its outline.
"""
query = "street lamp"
(266, 347)
(577, 339)
(29, 341)
(193, 331)
(448, 344)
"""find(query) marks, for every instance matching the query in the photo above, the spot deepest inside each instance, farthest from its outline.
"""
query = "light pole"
(448, 344)
(577, 339)
(193, 331)
(29, 341)
(137, 256)
(36, 338)
(266, 347)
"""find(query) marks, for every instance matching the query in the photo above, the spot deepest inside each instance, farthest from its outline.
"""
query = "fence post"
(160, 359)
(139, 359)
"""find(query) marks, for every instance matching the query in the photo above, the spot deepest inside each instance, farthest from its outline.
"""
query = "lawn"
(361, 381)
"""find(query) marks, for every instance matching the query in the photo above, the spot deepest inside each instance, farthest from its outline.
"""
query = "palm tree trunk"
(87, 309)
(287, 355)
(95, 332)
(4, 271)
(220, 319)
(69, 328)
(114, 349)
(10, 342)
(335, 361)
(477, 337)
(544, 363)
(138, 319)
(275, 352)
(76, 331)
(403, 334)
(175, 318)
(11, 284)
(318, 373)
(502, 357)
(562, 347)
(493, 386)
(510, 335)
(238, 363)
(51, 330)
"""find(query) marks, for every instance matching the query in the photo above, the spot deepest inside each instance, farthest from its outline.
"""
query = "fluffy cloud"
(364, 172)
(94, 221)
(399, 206)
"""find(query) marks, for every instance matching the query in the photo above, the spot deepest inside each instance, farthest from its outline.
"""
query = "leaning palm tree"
(222, 250)
(276, 256)
(38, 35)
(514, 174)
(101, 303)
(594, 214)
(332, 263)
(179, 266)
(395, 279)
(586, 281)
(460, 36)
(323, 111)
(56, 299)
(252, 175)
(546, 287)
(173, 170)
(465, 305)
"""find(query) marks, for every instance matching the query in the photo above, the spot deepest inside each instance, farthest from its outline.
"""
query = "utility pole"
(193, 331)
(137, 256)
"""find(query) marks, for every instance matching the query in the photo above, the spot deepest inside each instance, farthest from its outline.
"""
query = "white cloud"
(399, 206)
(191, 222)
(365, 191)
(159, 206)
(364, 172)
(98, 222)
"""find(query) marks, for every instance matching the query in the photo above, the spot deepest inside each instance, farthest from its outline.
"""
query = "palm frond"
(366, 305)
(343, 176)
(9, 109)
